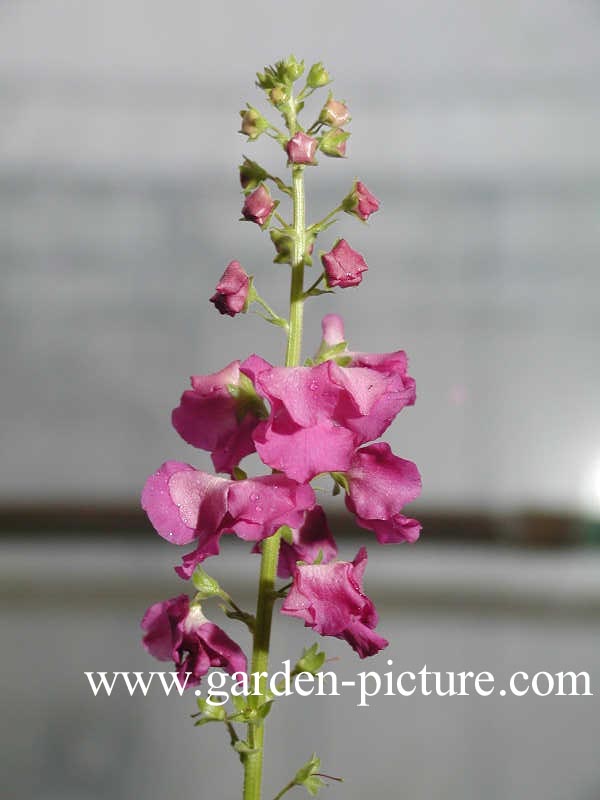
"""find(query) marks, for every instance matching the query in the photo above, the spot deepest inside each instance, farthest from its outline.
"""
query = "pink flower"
(334, 113)
(321, 414)
(361, 202)
(380, 484)
(312, 412)
(259, 206)
(231, 292)
(330, 599)
(343, 265)
(218, 415)
(400, 387)
(301, 149)
(176, 632)
(185, 504)
(309, 541)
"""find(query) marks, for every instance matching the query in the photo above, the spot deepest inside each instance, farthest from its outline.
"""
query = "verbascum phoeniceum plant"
(312, 419)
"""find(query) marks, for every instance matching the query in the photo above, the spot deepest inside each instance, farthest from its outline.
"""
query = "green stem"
(253, 761)
(285, 789)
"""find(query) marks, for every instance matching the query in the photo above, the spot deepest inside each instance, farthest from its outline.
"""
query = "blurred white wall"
(476, 122)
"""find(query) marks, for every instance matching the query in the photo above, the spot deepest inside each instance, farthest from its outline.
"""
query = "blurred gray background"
(478, 126)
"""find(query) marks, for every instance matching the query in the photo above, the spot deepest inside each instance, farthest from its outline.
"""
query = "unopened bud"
(253, 123)
(293, 69)
(318, 76)
(301, 149)
(360, 202)
(279, 95)
(333, 143)
(259, 206)
(334, 113)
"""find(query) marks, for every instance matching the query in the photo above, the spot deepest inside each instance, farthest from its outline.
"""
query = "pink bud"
(232, 290)
(367, 203)
(360, 202)
(335, 113)
(259, 206)
(301, 149)
(343, 265)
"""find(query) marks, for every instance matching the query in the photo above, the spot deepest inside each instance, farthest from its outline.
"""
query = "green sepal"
(330, 352)
(247, 400)
(211, 713)
(283, 241)
(205, 585)
(306, 776)
(331, 142)
(239, 474)
(341, 479)
(251, 175)
(263, 710)
(312, 660)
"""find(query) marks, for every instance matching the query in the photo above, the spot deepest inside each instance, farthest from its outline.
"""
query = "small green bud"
(204, 584)
(318, 76)
(284, 244)
(253, 123)
(279, 95)
(333, 142)
(292, 69)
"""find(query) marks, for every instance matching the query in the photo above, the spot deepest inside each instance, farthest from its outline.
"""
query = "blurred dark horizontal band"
(525, 528)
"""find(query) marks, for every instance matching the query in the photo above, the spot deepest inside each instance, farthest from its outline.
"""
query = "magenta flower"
(301, 149)
(380, 484)
(218, 416)
(231, 293)
(400, 387)
(320, 415)
(185, 504)
(259, 206)
(313, 410)
(330, 599)
(176, 632)
(343, 265)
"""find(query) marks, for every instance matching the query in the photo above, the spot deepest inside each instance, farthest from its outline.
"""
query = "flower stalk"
(304, 423)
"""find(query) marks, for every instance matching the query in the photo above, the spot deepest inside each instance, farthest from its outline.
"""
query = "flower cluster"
(322, 418)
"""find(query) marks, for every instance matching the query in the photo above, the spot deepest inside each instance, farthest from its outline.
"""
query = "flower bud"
(279, 95)
(333, 143)
(259, 206)
(231, 295)
(360, 202)
(318, 76)
(343, 265)
(253, 123)
(251, 174)
(301, 149)
(292, 69)
(284, 245)
(334, 113)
